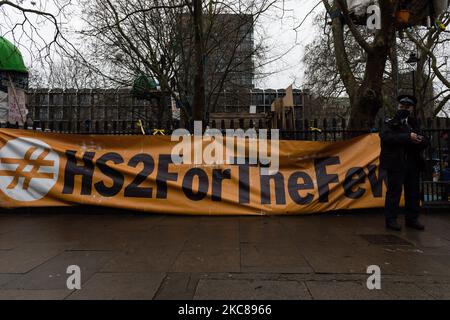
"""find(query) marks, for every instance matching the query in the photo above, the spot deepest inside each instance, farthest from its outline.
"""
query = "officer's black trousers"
(409, 178)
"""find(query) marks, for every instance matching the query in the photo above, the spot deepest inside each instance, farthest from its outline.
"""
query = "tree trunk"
(165, 112)
(420, 91)
(199, 80)
(424, 94)
(368, 99)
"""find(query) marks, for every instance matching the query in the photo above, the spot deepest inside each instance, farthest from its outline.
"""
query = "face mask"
(403, 113)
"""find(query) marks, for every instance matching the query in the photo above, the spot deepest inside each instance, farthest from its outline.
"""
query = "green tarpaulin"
(10, 57)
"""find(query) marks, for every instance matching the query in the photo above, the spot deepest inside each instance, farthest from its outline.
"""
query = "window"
(269, 97)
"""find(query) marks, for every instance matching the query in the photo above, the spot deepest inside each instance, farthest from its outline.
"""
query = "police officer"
(401, 156)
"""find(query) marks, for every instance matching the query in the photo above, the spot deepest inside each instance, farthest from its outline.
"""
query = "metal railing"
(435, 185)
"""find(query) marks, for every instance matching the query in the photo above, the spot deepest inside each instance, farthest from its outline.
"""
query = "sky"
(285, 36)
(278, 27)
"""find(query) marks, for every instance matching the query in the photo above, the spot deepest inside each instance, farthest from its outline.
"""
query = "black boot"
(393, 225)
(414, 224)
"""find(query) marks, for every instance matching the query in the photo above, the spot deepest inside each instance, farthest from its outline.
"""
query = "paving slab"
(208, 260)
(251, 290)
(178, 286)
(344, 290)
(187, 257)
(414, 263)
(24, 259)
(52, 275)
(55, 229)
(256, 257)
(404, 291)
(143, 259)
(6, 245)
(267, 230)
(119, 286)
(210, 237)
(159, 235)
(5, 278)
(33, 294)
(334, 258)
(13, 221)
(436, 290)
(189, 222)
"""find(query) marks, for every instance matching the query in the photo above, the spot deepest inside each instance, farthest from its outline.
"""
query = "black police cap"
(407, 100)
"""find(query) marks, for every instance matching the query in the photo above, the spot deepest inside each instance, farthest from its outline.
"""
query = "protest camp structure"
(13, 83)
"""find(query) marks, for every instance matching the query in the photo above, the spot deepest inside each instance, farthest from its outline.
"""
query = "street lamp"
(412, 61)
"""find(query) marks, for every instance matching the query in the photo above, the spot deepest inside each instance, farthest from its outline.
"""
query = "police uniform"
(402, 159)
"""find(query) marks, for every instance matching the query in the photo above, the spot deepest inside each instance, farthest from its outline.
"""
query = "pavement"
(125, 255)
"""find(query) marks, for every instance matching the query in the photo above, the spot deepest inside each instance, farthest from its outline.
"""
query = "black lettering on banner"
(217, 177)
(376, 182)
(350, 183)
(280, 194)
(244, 183)
(115, 175)
(72, 170)
(294, 187)
(133, 190)
(164, 175)
(188, 184)
(323, 178)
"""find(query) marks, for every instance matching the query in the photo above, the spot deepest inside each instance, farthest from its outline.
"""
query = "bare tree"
(36, 26)
(434, 51)
(321, 74)
(66, 73)
(176, 42)
(323, 77)
(366, 97)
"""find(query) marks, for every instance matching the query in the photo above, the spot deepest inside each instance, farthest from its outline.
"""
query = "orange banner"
(138, 173)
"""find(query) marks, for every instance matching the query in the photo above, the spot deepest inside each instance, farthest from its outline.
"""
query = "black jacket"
(397, 147)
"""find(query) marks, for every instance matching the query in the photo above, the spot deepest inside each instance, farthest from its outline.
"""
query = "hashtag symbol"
(22, 163)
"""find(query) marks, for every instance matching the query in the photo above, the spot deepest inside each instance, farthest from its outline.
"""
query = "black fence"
(435, 179)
